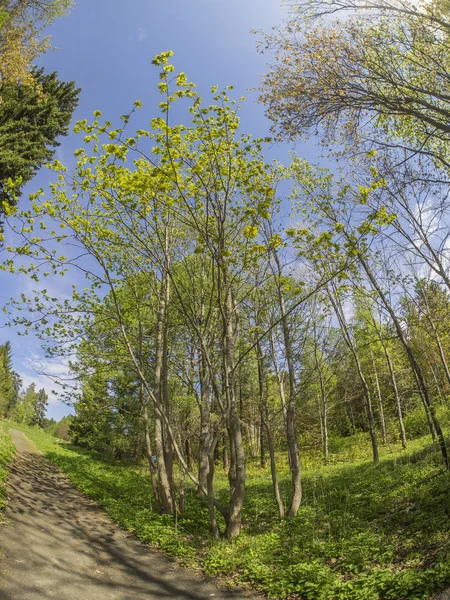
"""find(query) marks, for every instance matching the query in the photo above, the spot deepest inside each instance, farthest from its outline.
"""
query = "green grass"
(363, 531)
(7, 451)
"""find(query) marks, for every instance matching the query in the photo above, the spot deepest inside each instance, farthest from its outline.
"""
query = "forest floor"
(56, 543)
(364, 531)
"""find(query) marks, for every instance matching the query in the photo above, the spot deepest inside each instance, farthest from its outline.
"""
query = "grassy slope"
(7, 451)
(363, 532)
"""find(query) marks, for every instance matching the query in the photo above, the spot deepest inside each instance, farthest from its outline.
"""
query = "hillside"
(363, 531)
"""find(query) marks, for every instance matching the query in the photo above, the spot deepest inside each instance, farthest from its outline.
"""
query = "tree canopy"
(229, 315)
(378, 77)
(31, 122)
(21, 25)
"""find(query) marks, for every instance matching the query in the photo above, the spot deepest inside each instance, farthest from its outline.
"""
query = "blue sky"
(106, 46)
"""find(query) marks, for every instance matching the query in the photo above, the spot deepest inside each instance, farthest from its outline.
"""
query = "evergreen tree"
(41, 404)
(91, 426)
(31, 120)
(7, 387)
(25, 410)
(16, 387)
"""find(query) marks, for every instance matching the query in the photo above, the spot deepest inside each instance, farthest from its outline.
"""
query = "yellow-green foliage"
(7, 451)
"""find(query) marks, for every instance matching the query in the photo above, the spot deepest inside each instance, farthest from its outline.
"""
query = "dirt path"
(56, 543)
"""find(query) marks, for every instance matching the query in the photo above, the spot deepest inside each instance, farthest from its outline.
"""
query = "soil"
(56, 543)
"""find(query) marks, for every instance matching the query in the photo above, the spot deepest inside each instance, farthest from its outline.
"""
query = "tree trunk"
(225, 457)
(262, 446)
(144, 410)
(181, 494)
(380, 400)
(210, 487)
(168, 451)
(164, 481)
(149, 454)
(265, 418)
(260, 359)
(423, 389)
(291, 413)
(438, 387)
(273, 465)
(441, 351)
(164, 485)
(279, 378)
(265, 422)
(396, 396)
(323, 408)
(205, 424)
(325, 430)
(236, 476)
(188, 452)
(351, 346)
(237, 464)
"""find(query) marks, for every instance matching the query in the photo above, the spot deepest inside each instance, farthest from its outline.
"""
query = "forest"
(259, 351)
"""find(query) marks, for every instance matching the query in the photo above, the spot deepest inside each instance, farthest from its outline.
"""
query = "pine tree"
(14, 399)
(31, 120)
(41, 403)
(6, 379)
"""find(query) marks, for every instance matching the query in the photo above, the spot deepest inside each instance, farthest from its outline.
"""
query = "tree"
(25, 411)
(31, 407)
(426, 312)
(291, 407)
(202, 328)
(334, 296)
(60, 429)
(40, 408)
(379, 77)
(30, 123)
(21, 25)
(6, 378)
(350, 233)
(203, 190)
(10, 381)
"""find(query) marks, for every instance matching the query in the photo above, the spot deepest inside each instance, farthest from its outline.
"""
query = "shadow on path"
(56, 543)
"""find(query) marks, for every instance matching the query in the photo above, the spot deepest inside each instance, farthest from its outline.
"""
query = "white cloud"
(142, 34)
(54, 367)
(60, 154)
(49, 374)
(41, 382)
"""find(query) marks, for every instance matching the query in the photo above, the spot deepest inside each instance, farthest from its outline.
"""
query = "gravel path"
(56, 543)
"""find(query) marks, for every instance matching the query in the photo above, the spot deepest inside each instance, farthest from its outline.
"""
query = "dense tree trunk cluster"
(209, 332)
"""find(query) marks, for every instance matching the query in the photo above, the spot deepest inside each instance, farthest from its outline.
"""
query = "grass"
(363, 531)
(7, 451)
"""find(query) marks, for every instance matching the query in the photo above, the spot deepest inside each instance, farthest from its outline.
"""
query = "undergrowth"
(7, 451)
(364, 532)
